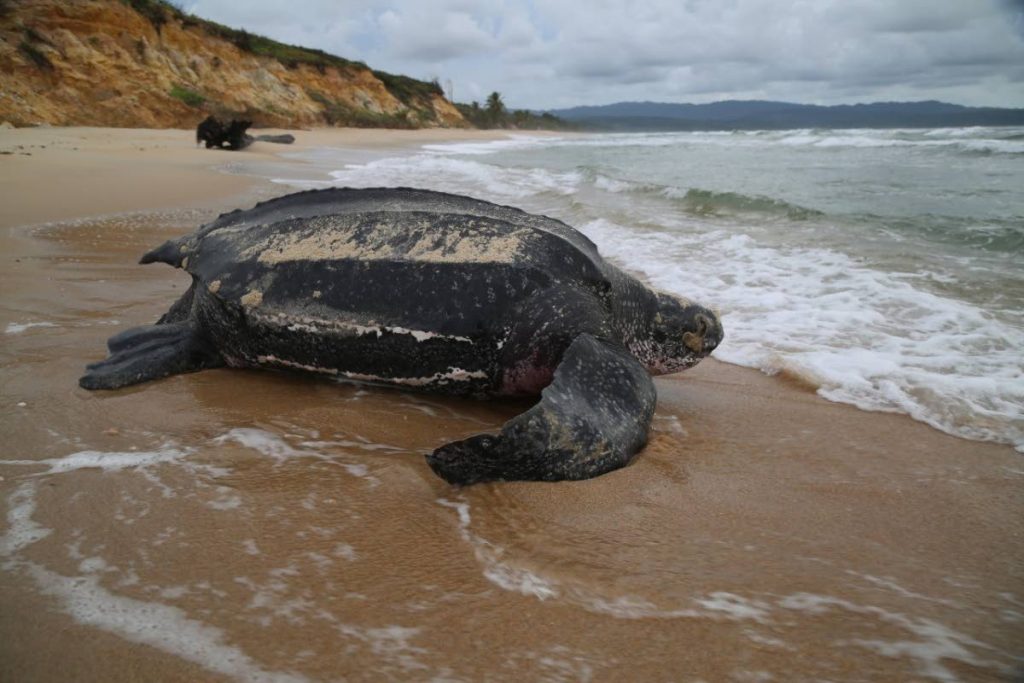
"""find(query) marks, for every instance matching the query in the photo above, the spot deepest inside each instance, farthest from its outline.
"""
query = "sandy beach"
(233, 525)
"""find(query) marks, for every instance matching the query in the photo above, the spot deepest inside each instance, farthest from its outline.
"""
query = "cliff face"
(145, 64)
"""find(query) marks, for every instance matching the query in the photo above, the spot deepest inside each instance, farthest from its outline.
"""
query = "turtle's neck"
(633, 307)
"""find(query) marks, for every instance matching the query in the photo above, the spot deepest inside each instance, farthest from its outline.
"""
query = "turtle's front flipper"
(592, 418)
(150, 352)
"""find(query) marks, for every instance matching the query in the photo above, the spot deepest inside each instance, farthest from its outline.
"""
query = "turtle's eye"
(702, 325)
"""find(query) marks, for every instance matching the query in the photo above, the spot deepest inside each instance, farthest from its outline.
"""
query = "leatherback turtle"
(430, 291)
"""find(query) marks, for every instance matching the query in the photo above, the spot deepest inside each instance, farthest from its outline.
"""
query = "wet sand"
(232, 525)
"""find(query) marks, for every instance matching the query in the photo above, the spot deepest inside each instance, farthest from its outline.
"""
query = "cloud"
(566, 52)
(451, 34)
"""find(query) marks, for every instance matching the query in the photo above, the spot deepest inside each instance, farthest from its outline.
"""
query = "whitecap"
(484, 147)
(447, 174)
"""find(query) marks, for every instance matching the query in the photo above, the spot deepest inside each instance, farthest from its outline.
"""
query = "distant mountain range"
(760, 114)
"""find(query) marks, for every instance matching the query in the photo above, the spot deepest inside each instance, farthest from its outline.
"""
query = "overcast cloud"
(559, 53)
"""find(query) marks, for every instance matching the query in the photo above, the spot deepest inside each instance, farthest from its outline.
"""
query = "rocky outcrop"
(144, 63)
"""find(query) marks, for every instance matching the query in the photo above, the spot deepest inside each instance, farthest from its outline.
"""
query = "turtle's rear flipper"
(592, 418)
(150, 352)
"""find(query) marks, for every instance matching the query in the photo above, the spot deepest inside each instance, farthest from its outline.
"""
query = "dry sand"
(260, 526)
(61, 173)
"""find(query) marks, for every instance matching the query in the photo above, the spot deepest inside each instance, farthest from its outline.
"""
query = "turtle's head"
(680, 334)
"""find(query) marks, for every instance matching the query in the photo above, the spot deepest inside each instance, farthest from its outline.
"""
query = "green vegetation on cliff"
(341, 114)
(189, 97)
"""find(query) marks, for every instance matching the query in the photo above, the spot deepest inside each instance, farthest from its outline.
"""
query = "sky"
(544, 54)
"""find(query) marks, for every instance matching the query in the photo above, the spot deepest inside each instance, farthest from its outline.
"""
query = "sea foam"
(18, 328)
(87, 601)
(862, 336)
(454, 174)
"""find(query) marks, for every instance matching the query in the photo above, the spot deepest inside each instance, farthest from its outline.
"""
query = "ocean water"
(883, 267)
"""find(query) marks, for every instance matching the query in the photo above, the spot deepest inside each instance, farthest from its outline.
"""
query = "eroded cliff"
(143, 63)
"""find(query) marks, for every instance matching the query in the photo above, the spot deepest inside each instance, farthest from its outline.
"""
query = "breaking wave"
(706, 202)
(972, 140)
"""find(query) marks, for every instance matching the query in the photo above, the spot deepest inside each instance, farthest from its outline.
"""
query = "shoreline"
(809, 536)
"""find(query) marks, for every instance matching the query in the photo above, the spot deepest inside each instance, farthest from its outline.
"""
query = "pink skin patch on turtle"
(526, 377)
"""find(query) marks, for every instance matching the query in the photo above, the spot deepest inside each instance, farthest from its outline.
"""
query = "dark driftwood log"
(284, 139)
(215, 133)
(209, 131)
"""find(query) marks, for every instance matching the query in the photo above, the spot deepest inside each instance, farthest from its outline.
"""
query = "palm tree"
(495, 108)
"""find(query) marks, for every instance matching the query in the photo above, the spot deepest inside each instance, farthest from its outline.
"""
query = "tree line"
(494, 114)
